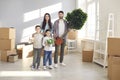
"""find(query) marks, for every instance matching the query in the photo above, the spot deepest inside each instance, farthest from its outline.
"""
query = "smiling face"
(47, 17)
(37, 29)
(48, 33)
(61, 15)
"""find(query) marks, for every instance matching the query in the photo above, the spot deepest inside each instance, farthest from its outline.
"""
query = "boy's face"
(38, 29)
(48, 33)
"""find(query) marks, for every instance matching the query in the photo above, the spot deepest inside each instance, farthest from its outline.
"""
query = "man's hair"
(37, 26)
(61, 12)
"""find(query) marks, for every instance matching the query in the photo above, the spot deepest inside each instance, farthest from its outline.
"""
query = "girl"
(47, 43)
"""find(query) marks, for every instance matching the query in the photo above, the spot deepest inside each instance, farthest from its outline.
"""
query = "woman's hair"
(49, 21)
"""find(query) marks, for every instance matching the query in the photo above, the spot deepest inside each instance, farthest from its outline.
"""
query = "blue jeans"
(47, 57)
(36, 57)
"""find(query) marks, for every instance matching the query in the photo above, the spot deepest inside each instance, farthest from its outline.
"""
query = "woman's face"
(47, 17)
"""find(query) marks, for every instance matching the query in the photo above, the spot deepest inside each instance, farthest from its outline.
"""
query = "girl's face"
(47, 17)
(48, 33)
(38, 29)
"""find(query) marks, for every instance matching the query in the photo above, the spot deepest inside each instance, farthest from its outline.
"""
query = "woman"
(46, 24)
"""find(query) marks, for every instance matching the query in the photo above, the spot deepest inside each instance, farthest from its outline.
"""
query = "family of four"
(45, 32)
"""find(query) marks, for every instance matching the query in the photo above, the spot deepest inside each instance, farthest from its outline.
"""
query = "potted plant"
(76, 19)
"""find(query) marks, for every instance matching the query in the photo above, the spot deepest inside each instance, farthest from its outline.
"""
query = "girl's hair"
(49, 21)
(47, 30)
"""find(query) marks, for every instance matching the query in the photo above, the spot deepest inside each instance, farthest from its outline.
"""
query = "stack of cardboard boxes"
(114, 58)
(7, 43)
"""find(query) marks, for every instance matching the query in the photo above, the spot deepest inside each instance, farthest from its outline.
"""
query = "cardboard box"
(87, 56)
(114, 68)
(13, 58)
(109, 66)
(19, 52)
(113, 46)
(72, 34)
(5, 54)
(7, 33)
(0, 55)
(7, 44)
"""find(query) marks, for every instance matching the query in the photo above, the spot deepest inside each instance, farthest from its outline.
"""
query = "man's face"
(61, 15)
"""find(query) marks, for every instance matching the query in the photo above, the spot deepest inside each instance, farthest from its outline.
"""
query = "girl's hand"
(47, 44)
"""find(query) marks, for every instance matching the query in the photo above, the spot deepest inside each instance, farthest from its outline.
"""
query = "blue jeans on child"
(47, 57)
(36, 57)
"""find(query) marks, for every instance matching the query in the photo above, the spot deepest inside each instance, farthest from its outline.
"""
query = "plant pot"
(72, 34)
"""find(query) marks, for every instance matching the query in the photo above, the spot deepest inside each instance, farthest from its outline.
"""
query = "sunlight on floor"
(25, 74)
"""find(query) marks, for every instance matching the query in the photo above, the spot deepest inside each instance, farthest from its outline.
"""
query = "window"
(92, 9)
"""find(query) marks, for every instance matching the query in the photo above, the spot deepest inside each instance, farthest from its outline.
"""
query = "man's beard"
(60, 17)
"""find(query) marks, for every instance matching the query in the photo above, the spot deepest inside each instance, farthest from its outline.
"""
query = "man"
(60, 29)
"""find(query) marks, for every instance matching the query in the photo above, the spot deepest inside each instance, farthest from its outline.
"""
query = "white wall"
(110, 6)
(12, 14)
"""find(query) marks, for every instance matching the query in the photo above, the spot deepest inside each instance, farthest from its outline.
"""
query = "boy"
(37, 46)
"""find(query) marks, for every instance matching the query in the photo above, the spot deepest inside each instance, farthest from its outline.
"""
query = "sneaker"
(50, 67)
(33, 69)
(55, 65)
(44, 67)
(38, 68)
(62, 64)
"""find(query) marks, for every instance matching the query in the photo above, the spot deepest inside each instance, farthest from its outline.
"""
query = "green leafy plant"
(76, 19)
(50, 41)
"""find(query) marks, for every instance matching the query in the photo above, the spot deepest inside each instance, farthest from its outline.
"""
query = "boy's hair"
(37, 26)
(61, 12)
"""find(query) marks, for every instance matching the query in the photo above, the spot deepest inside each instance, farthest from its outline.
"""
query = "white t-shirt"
(61, 27)
(47, 48)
